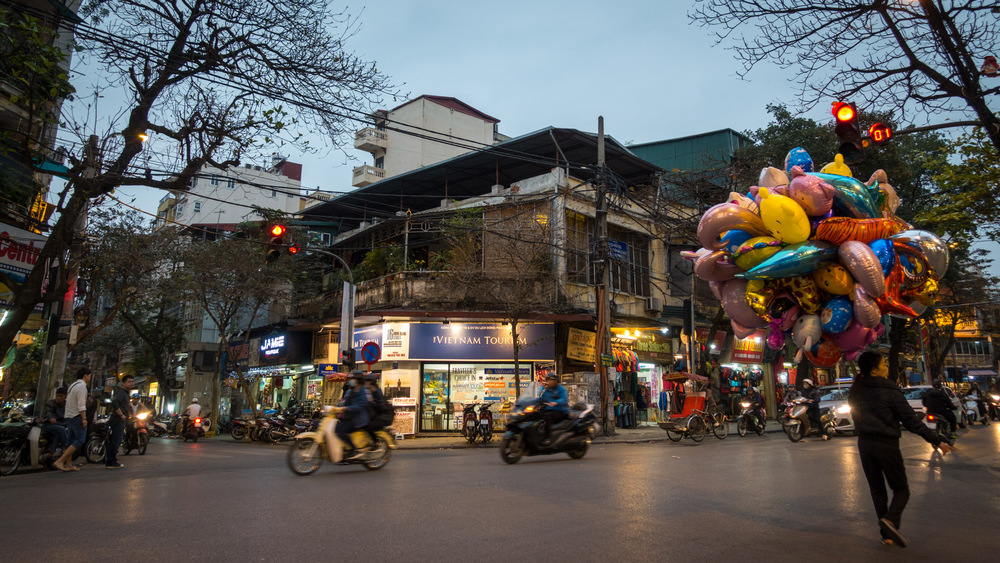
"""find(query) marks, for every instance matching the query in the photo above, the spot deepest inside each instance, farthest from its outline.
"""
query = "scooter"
(192, 429)
(797, 425)
(940, 426)
(311, 448)
(748, 421)
(477, 426)
(971, 406)
(136, 434)
(993, 406)
(525, 436)
(23, 444)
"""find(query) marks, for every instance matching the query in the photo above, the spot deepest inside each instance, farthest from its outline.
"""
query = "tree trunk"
(897, 328)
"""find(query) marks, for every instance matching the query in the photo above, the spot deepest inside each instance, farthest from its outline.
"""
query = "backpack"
(382, 410)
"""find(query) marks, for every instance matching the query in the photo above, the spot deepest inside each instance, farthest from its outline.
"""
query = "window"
(380, 162)
(630, 265)
(231, 183)
(179, 210)
(274, 193)
(579, 234)
(215, 179)
(197, 207)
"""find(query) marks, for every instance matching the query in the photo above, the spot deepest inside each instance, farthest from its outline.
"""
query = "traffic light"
(276, 243)
(294, 249)
(848, 131)
(53, 335)
(347, 358)
(880, 133)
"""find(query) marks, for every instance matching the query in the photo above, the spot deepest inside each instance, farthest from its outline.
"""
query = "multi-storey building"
(421, 132)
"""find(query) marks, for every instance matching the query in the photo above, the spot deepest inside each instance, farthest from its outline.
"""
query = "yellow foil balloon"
(837, 167)
(834, 278)
(804, 289)
(759, 295)
(783, 217)
(755, 250)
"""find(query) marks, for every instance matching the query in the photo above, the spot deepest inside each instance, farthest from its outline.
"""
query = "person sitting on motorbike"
(977, 395)
(556, 404)
(811, 393)
(54, 421)
(756, 404)
(379, 420)
(938, 403)
(192, 412)
(354, 408)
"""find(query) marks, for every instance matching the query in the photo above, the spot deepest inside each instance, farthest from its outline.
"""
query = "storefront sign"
(749, 350)
(154, 388)
(651, 346)
(580, 345)
(272, 346)
(607, 360)
(395, 341)
(715, 346)
(404, 401)
(480, 342)
(18, 253)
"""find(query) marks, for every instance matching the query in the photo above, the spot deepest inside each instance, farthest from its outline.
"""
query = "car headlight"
(844, 409)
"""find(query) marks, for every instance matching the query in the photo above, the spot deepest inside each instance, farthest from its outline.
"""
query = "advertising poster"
(403, 423)
(18, 253)
(580, 345)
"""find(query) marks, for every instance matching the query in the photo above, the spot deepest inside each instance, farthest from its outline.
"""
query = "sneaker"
(889, 530)
(114, 466)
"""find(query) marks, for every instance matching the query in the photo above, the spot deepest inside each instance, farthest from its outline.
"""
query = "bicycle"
(718, 422)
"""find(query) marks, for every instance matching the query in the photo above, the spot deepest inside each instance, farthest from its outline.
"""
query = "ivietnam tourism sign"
(18, 253)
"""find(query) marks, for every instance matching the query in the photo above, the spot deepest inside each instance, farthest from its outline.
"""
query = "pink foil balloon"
(853, 340)
(716, 266)
(716, 288)
(724, 217)
(742, 331)
(864, 265)
(814, 195)
(865, 308)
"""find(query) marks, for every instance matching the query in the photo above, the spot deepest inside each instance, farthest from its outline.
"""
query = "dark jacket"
(356, 402)
(54, 410)
(878, 407)
(119, 400)
(936, 400)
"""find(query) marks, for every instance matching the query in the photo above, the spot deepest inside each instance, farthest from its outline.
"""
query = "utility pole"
(602, 342)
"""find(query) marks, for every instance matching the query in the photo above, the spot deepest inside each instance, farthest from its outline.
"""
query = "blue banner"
(480, 342)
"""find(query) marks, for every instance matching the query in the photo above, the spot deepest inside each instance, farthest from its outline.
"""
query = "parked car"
(834, 397)
(914, 395)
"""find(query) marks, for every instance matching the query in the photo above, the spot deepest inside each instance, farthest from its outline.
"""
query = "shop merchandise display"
(818, 258)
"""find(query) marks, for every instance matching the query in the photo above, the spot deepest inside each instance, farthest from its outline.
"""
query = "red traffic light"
(880, 133)
(844, 112)
(277, 230)
(294, 249)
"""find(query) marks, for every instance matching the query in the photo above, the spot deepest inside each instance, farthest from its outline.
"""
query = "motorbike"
(22, 444)
(158, 428)
(971, 406)
(98, 439)
(240, 428)
(311, 448)
(136, 434)
(192, 428)
(940, 426)
(480, 426)
(797, 425)
(525, 436)
(748, 421)
(993, 406)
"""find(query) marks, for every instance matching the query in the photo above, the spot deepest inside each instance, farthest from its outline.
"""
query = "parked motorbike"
(480, 426)
(311, 448)
(749, 421)
(240, 428)
(98, 441)
(22, 445)
(136, 434)
(797, 425)
(525, 435)
(158, 428)
(971, 407)
(941, 427)
(282, 429)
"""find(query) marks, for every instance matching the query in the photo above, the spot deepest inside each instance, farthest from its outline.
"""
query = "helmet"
(195, 400)
(937, 383)
(370, 377)
(808, 382)
(755, 390)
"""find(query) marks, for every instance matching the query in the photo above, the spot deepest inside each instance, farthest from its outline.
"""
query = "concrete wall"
(424, 117)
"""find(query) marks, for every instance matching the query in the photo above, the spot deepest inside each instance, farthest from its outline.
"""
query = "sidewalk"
(647, 434)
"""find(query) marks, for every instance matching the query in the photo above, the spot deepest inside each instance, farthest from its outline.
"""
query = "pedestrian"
(878, 408)
(76, 408)
(120, 410)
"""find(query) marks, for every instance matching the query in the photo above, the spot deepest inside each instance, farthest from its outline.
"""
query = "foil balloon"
(716, 266)
(918, 307)
(734, 302)
(866, 309)
(742, 331)
(852, 199)
(826, 354)
(864, 265)
(807, 331)
(734, 239)
(839, 230)
(775, 338)
(755, 192)
(856, 338)
(834, 278)
(783, 217)
(934, 249)
(804, 290)
(886, 255)
(926, 294)
(914, 265)
(724, 217)
(798, 157)
(784, 311)
(836, 315)
(793, 260)
(755, 251)
(743, 201)
(890, 202)
(771, 177)
(891, 302)
(760, 296)
(716, 287)
(814, 195)
(837, 167)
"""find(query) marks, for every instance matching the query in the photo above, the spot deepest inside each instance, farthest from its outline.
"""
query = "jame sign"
(272, 346)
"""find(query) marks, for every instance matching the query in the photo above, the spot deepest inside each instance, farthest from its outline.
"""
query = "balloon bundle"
(818, 257)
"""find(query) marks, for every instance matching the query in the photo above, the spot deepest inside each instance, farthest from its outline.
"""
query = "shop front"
(641, 357)
(743, 370)
(430, 371)
(277, 363)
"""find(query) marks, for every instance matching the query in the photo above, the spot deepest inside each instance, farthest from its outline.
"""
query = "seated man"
(354, 407)
(556, 404)
(54, 420)
(756, 405)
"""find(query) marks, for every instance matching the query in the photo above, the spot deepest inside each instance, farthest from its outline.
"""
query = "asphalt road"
(749, 499)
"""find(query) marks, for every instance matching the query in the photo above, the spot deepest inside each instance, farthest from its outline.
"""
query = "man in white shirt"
(76, 419)
(192, 411)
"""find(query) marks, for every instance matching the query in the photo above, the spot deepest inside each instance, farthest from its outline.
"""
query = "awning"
(990, 372)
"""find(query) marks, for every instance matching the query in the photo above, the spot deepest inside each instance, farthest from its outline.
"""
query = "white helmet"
(195, 400)
(808, 382)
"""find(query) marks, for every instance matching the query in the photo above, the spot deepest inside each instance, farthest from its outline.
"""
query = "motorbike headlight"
(995, 397)
(844, 409)
(530, 409)
(142, 415)
(745, 405)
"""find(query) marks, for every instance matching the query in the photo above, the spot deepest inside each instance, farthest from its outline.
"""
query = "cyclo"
(694, 420)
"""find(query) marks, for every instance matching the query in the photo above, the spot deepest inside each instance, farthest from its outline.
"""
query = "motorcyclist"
(756, 404)
(379, 420)
(977, 395)
(192, 412)
(354, 408)
(556, 402)
(938, 403)
(54, 422)
(811, 393)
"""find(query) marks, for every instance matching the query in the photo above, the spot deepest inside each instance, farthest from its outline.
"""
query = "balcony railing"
(364, 175)
(370, 139)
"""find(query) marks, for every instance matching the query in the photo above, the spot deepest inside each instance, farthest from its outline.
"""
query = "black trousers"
(551, 419)
(882, 461)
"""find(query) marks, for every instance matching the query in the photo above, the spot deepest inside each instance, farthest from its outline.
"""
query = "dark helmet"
(937, 383)
(370, 377)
